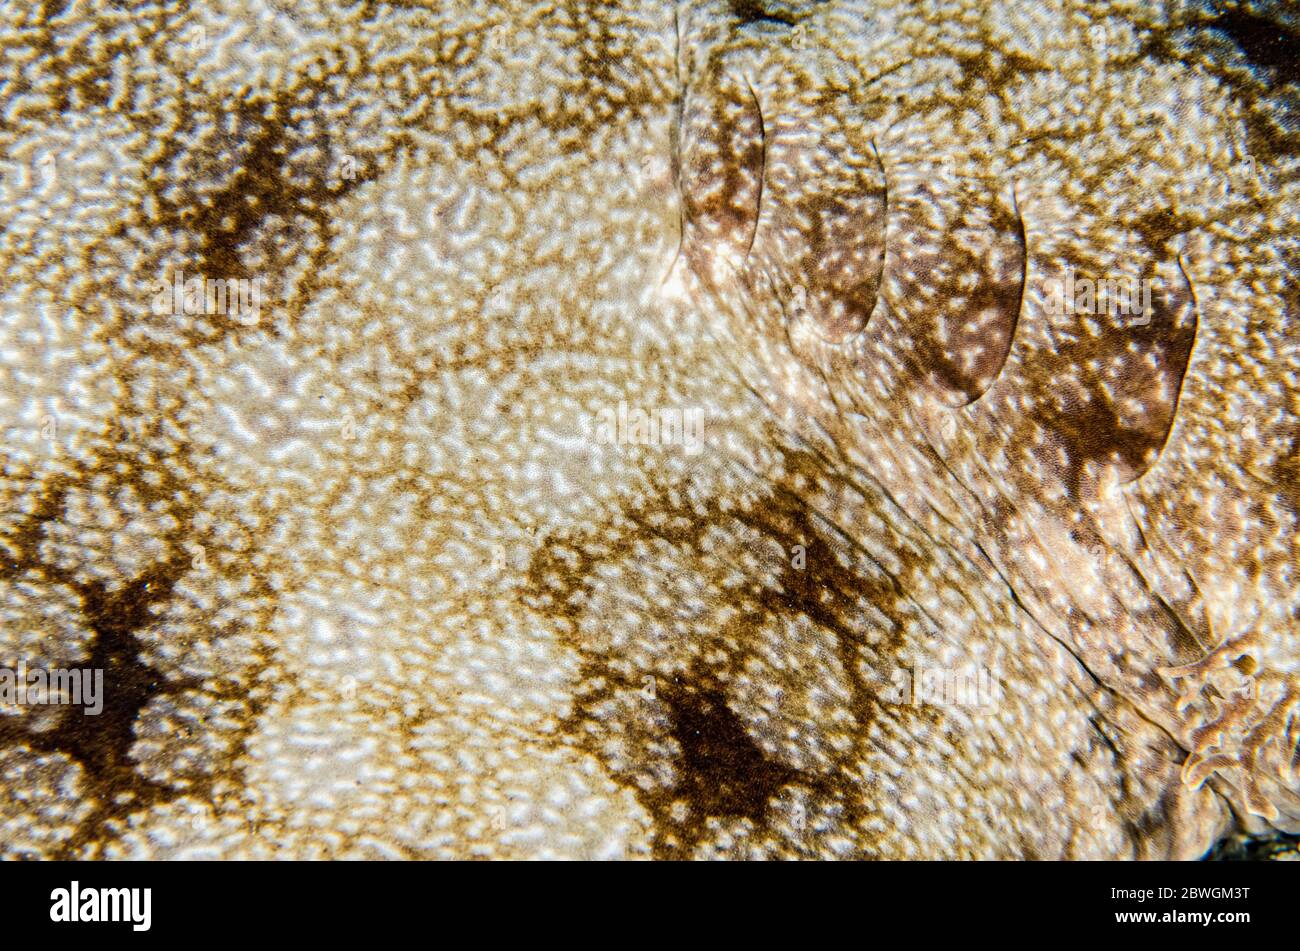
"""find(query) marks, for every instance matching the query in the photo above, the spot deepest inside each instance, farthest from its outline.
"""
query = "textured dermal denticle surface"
(1015, 169)
(366, 579)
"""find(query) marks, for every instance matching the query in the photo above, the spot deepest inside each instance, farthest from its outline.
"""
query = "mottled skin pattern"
(362, 578)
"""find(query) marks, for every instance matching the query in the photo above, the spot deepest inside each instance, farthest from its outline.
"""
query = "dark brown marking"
(690, 750)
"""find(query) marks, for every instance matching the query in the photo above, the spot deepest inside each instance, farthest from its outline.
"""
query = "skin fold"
(392, 566)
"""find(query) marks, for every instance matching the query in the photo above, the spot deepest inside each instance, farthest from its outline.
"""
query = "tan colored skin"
(365, 583)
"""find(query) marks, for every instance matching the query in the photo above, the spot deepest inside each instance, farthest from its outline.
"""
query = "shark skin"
(647, 430)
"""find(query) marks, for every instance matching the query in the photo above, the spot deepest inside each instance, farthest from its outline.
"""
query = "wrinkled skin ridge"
(364, 576)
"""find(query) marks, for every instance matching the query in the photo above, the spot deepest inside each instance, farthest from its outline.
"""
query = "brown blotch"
(101, 744)
(723, 771)
(261, 187)
(689, 754)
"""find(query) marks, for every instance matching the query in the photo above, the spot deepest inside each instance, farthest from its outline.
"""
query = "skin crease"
(363, 577)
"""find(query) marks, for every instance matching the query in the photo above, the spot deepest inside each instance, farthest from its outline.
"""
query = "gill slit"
(762, 169)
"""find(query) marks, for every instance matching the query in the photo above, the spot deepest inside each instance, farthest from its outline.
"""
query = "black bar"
(341, 901)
